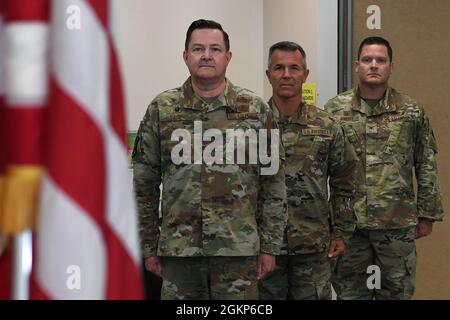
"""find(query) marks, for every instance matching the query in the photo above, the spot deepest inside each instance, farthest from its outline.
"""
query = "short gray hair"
(286, 46)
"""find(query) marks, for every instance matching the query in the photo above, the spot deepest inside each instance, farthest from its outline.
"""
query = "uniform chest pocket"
(177, 129)
(353, 138)
(178, 119)
(316, 155)
(400, 140)
(242, 121)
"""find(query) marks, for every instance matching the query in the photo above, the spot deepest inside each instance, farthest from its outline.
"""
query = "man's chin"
(283, 95)
(374, 82)
(287, 93)
(206, 75)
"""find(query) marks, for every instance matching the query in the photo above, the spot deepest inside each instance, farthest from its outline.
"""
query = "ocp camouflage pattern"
(316, 150)
(206, 210)
(391, 141)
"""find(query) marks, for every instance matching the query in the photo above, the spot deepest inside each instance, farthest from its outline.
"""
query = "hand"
(337, 247)
(153, 265)
(424, 228)
(266, 265)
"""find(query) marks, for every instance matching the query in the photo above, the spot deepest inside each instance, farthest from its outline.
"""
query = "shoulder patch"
(243, 103)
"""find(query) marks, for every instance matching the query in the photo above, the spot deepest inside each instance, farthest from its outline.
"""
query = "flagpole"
(22, 255)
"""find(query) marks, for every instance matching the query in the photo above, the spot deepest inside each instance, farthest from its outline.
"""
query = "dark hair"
(206, 24)
(375, 40)
(286, 46)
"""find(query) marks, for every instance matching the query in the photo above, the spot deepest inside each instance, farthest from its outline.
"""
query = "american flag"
(86, 244)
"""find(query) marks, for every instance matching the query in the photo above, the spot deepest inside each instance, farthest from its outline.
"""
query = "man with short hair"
(211, 241)
(316, 151)
(392, 137)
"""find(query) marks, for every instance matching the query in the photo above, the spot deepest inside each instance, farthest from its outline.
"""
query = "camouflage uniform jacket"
(316, 149)
(206, 210)
(391, 140)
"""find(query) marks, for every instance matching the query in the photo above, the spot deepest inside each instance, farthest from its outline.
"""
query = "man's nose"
(286, 73)
(206, 54)
(373, 63)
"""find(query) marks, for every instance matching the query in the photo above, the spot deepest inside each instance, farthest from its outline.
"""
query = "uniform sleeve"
(147, 178)
(429, 201)
(272, 217)
(343, 164)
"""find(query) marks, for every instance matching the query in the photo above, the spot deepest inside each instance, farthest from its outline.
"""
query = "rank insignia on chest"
(347, 116)
(243, 104)
(242, 107)
(372, 128)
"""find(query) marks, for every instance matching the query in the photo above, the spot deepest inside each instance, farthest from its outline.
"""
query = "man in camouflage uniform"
(316, 150)
(210, 242)
(392, 136)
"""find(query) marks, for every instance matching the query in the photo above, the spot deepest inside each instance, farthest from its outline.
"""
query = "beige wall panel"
(419, 32)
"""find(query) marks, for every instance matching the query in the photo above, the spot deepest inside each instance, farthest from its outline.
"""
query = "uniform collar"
(387, 104)
(190, 100)
(300, 117)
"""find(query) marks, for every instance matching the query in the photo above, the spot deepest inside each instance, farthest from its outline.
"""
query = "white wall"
(327, 55)
(291, 20)
(313, 25)
(150, 38)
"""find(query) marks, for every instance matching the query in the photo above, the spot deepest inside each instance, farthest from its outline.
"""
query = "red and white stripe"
(25, 81)
(5, 257)
(2, 52)
(87, 213)
(23, 93)
(2, 91)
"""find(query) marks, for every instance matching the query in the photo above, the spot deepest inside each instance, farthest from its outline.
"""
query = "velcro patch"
(242, 116)
(243, 103)
(372, 128)
(181, 117)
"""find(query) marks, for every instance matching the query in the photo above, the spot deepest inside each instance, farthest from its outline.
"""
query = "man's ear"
(229, 55)
(306, 74)
(392, 66)
(268, 75)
